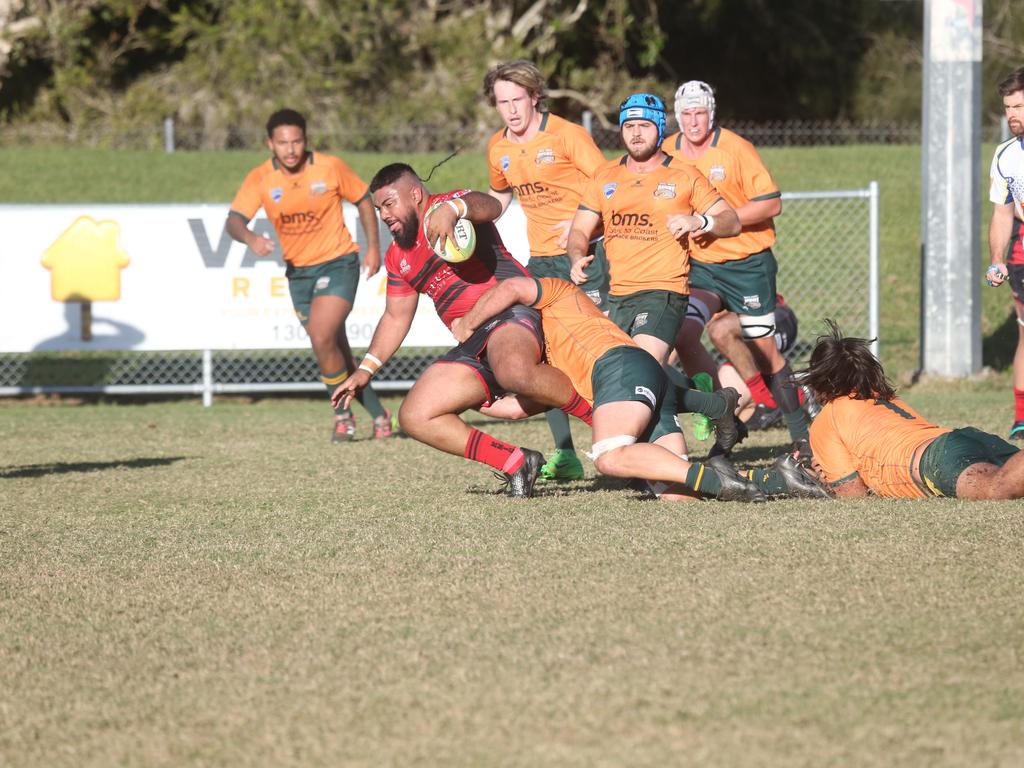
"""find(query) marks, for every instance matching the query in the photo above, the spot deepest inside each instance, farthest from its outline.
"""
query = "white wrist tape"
(709, 222)
(455, 207)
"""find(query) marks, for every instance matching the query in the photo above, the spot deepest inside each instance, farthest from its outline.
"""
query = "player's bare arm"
(578, 244)
(719, 220)
(1000, 229)
(478, 207)
(391, 331)
(758, 211)
(504, 197)
(368, 220)
(494, 301)
(238, 230)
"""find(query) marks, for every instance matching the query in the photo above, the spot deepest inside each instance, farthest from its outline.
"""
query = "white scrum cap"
(693, 94)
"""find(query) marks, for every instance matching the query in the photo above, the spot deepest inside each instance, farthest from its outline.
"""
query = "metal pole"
(950, 189)
(207, 378)
(873, 279)
(588, 121)
(169, 135)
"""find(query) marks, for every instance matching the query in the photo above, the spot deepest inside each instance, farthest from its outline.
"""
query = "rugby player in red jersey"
(503, 356)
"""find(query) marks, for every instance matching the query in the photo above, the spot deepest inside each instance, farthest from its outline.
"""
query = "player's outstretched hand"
(439, 226)
(371, 262)
(578, 271)
(261, 245)
(349, 388)
(996, 274)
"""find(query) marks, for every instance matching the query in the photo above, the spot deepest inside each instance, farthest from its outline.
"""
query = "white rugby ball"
(459, 249)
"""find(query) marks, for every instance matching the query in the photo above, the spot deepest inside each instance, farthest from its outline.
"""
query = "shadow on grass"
(997, 349)
(64, 467)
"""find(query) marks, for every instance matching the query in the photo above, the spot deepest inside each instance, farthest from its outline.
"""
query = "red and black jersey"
(454, 288)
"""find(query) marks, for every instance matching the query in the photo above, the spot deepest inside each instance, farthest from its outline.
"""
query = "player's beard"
(641, 154)
(1016, 127)
(407, 233)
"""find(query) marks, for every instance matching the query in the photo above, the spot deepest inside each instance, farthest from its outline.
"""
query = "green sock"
(369, 400)
(703, 479)
(797, 423)
(695, 401)
(768, 480)
(332, 381)
(558, 421)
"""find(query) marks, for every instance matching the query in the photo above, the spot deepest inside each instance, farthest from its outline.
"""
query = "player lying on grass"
(504, 356)
(635, 429)
(866, 439)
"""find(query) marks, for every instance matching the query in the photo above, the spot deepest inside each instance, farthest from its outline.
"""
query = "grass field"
(189, 586)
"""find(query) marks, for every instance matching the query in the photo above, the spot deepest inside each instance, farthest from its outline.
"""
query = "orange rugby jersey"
(634, 207)
(304, 208)
(576, 332)
(547, 174)
(735, 169)
(875, 439)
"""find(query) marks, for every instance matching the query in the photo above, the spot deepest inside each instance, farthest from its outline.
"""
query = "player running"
(503, 356)
(544, 161)
(635, 430)
(1006, 230)
(302, 192)
(866, 439)
(739, 270)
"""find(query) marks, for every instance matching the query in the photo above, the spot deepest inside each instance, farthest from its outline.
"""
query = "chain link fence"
(413, 138)
(828, 267)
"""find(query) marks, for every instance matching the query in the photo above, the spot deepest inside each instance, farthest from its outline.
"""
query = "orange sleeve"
(758, 183)
(497, 176)
(583, 151)
(248, 199)
(591, 199)
(350, 186)
(830, 452)
(703, 194)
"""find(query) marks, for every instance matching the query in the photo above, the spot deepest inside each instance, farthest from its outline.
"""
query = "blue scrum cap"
(644, 106)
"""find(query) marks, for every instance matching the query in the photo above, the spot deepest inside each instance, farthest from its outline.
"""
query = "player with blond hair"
(544, 161)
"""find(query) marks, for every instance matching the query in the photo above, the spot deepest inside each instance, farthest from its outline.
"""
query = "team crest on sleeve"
(609, 189)
(276, 194)
(317, 188)
(505, 162)
(716, 173)
(545, 157)
(665, 190)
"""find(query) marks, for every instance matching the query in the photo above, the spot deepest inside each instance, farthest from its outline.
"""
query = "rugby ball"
(459, 249)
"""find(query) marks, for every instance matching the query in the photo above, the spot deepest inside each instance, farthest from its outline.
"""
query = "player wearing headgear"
(544, 161)
(302, 192)
(740, 270)
(504, 356)
(1006, 230)
(649, 208)
(867, 440)
(635, 428)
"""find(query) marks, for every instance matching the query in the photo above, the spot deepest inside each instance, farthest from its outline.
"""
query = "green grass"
(182, 586)
(48, 175)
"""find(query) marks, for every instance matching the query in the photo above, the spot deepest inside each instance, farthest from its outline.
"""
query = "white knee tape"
(602, 447)
(757, 326)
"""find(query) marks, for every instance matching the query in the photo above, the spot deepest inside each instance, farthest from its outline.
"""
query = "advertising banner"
(168, 277)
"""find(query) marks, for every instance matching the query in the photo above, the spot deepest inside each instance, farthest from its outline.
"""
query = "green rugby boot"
(702, 425)
(564, 464)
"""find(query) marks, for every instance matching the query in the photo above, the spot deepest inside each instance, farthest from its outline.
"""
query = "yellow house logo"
(85, 262)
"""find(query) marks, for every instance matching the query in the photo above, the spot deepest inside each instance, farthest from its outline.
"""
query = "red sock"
(759, 391)
(1018, 401)
(579, 408)
(492, 452)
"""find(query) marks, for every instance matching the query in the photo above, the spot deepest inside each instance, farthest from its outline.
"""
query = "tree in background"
(409, 71)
